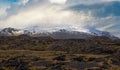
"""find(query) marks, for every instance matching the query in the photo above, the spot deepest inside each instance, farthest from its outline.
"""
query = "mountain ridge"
(58, 34)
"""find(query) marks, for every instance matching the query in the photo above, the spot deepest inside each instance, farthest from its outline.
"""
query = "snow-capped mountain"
(13, 32)
(96, 32)
(58, 34)
(10, 31)
(64, 34)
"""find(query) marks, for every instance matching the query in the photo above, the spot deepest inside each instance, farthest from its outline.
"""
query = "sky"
(80, 15)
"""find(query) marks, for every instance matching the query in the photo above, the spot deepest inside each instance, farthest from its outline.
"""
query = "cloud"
(58, 1)
(27, 13)
(99, 10)
(88, 1)
(3, 12)
(105, 14)
(23, 2)
(51, 15)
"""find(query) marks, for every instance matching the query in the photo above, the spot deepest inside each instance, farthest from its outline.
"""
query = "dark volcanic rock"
(80, 59)
(16, 62)
(60, 58)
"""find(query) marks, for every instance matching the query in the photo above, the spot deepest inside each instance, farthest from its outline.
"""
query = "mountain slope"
(64, 34)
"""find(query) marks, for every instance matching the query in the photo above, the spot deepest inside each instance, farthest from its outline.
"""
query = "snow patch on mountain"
(67, 33)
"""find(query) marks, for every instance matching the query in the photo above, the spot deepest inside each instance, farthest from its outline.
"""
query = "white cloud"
(58, 1)
(24, 2)
(3, 11)
(106, 27)
(51, 15)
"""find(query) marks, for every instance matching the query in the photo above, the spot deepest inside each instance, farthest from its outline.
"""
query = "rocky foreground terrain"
(45, 53)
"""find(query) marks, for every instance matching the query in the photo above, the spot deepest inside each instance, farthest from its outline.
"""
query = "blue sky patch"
(8, 1)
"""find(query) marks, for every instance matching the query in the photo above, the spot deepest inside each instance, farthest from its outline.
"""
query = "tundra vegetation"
(45, 53)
